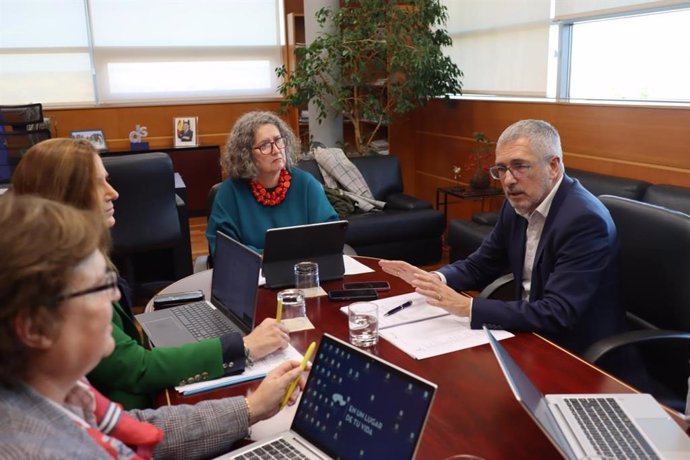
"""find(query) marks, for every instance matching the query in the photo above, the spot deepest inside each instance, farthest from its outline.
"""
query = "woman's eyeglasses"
(109, 284)
(266, 148)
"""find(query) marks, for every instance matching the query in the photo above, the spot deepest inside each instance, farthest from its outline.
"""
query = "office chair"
(17, 135)
(20, 117)
(655, 292)
(150, 247)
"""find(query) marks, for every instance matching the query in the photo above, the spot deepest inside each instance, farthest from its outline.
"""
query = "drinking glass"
(292, 301)
(363, 323)
(306, 275)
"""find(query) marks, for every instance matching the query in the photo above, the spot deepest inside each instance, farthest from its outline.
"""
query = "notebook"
(234, 286)
(321, 243)
(564, 419)
(354, 405)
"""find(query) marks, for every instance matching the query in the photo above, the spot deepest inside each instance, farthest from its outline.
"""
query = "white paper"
(354, 267)
(258, 370)
(438, 336)
(420, 310)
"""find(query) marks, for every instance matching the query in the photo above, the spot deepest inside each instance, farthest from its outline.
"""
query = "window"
(613, 50)
(132, 51)
(632, 58)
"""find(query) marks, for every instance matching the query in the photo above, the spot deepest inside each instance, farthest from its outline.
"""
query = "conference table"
(475, 411)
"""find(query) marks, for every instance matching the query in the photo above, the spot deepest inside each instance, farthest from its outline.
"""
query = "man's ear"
(32, 332)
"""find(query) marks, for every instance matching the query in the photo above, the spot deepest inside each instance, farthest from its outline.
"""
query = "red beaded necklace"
(275, 197)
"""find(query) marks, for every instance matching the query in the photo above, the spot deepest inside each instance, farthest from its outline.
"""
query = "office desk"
(474, 411)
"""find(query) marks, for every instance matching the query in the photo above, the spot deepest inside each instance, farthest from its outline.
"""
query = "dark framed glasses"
(266, 148)
(109, 284)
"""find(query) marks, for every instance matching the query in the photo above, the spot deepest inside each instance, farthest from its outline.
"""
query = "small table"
(442, 194)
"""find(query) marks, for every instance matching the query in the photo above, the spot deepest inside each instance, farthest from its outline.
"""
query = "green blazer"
(132, 374)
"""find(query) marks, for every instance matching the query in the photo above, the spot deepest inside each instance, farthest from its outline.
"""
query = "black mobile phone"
(176, 298)
(376, 285)
(353, 294)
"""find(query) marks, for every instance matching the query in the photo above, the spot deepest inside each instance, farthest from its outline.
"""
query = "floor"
(197, 227)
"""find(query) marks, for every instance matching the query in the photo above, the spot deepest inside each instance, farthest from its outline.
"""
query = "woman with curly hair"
(263, 189)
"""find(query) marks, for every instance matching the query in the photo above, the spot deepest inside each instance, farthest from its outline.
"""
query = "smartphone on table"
(353, 294)
(176, 298)
(376, 285)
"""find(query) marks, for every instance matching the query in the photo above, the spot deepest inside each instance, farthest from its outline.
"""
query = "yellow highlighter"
(302, 366)
(279, 310)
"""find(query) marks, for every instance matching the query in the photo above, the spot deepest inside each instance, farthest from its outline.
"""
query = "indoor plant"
(379, 59)
(479, 161)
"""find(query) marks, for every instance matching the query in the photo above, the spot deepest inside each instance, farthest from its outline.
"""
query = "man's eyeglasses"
(109, 284)
(266, 148)
(518, 170)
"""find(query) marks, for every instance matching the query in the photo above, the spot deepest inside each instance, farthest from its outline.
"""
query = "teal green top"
(236, 212)
(132, 374)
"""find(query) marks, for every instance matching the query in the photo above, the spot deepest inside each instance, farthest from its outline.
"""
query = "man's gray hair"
(541, 135)
(237, 160)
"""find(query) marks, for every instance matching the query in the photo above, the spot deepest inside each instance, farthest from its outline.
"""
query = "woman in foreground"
(56, 291)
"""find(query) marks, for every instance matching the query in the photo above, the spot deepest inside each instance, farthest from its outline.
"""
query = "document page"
(419, 310)
(437, 336)
(259, 370)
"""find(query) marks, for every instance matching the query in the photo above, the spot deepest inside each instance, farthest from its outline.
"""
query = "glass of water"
(293, 305)
(306, 275)
(363, 323)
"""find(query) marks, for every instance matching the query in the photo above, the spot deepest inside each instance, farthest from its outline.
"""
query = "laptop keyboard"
(278, 449)
(202, 325)
(609, 430)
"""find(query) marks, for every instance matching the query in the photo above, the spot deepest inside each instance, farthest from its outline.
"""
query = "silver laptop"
(321, 243)
(579, 424)
(354, 406)
(234, 287)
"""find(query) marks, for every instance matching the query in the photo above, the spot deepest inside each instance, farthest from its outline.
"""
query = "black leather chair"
(151, 244)
(655, 291)
(18, 132)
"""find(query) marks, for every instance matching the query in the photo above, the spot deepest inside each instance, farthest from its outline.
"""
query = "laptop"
(564, 418)
(354, 405)
(234, 286)
(321, 243)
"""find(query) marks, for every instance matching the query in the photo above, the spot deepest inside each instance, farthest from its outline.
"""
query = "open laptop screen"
(358, 406)
(235, 280)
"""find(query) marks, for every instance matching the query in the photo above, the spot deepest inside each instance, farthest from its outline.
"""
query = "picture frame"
(185, 132)
(95, 136)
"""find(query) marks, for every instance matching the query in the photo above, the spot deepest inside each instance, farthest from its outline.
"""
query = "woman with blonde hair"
(55, 326)
(70, 171)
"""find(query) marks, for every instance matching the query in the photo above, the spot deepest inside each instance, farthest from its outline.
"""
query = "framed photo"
(185, 132)
(95, 136)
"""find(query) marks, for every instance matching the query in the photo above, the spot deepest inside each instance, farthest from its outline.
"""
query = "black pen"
(398, 308)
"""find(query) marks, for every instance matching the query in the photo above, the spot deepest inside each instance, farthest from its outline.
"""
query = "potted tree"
(381, 59)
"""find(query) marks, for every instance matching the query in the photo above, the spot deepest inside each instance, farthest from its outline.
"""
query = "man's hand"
(401, 269)
(440, 295)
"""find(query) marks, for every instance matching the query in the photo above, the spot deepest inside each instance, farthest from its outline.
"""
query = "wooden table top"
(475, 411)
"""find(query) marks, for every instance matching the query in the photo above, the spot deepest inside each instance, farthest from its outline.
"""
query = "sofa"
(407, 228)
(465, 236)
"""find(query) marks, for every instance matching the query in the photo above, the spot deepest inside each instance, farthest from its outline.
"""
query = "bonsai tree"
(380, 60)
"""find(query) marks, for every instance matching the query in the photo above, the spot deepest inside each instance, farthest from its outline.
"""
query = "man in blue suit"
(556, 238)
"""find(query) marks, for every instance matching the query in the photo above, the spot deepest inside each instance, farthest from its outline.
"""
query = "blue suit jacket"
(574, 291)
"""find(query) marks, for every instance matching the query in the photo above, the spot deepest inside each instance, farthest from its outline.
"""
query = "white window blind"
(502, 46)
(575, 10)
(140, 51)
